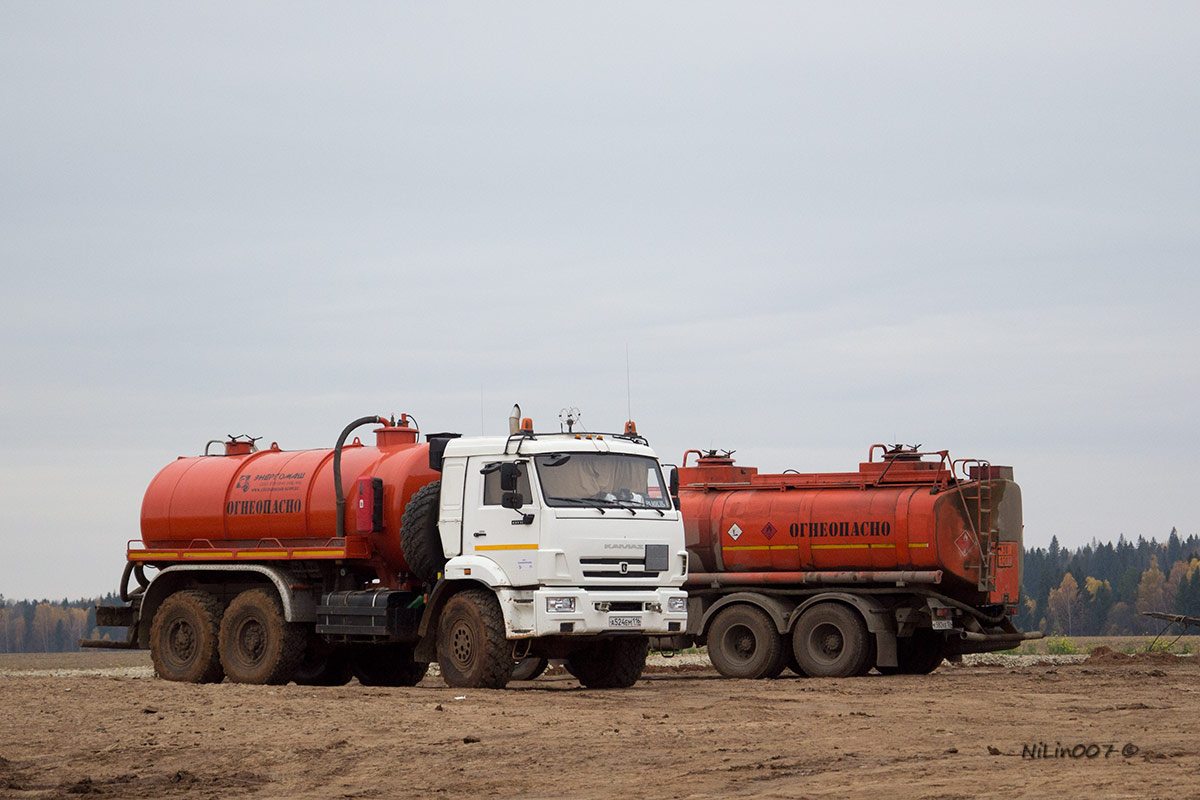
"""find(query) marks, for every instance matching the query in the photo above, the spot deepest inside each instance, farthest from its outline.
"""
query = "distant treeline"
(1096, 590)
(1100, 589)
(46, 626)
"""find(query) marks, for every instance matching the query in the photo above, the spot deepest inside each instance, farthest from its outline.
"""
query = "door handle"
(477, 534)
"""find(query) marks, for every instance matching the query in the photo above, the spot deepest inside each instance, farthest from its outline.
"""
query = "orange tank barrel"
(275, 499)
(903, 518)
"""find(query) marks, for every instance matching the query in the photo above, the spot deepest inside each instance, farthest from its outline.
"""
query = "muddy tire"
(257, 644)
(529, 669)
(832, 641)
(387, 665)
(419, 537)
(610, 663)
(793, 664)
(322, 665)
(184, 638)
(921, 653)
(743, 643)
(473, 652)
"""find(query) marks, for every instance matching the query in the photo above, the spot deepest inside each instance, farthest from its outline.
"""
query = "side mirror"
(512, 500)
(510, 473)
(674, 487)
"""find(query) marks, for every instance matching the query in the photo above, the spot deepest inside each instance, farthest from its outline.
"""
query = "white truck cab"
(576, 533)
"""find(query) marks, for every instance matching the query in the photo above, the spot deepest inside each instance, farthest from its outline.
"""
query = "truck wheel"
(610, 663)
(793, 664)
(183, 638)
(473, 651)
(528, 669)
(831, 641)
(921, 653)
(322, 665)
(419, 537)
(387, 665)
(257, 644)
(743, 643)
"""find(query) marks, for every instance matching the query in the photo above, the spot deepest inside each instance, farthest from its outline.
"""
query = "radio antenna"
(628, 392)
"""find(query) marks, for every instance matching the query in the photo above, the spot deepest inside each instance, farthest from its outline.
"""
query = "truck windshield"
(592, 479)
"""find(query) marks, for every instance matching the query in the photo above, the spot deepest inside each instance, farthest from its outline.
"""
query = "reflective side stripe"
(506, 547)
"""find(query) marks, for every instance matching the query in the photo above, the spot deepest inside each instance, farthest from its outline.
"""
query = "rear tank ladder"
(981, 522)
(987, 538)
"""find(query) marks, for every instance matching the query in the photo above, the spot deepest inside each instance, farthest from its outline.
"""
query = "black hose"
(337, 469)
(137, 569)
(125, 581)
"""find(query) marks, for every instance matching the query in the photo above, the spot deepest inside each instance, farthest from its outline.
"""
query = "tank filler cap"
(241, 445)
(711, 458)
(904, 452)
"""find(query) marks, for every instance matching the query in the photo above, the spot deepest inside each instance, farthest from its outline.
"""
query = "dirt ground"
(97, 724)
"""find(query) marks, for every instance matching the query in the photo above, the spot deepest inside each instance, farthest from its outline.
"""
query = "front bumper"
(612, 611)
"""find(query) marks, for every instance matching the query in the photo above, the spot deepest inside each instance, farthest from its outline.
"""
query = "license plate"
(624, 622)
(943, 624)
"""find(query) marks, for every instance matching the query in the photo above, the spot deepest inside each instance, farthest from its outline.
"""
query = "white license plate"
(943, 624)
(624, 622)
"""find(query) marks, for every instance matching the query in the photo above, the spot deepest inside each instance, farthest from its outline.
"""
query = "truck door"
(507, 536)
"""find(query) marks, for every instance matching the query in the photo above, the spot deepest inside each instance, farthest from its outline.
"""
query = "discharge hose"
(337, 469)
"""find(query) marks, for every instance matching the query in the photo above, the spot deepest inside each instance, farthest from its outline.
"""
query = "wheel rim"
(461, 646)
(181, 643)
(826, 643)
(251, 641)
(740, 644)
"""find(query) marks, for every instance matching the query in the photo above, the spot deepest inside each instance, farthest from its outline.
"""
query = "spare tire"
(419, 537)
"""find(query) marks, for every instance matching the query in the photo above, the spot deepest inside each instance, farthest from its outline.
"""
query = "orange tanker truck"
(372, 560)
(912, 559)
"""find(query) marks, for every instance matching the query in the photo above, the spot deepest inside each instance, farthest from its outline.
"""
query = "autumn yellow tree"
(1066, 605)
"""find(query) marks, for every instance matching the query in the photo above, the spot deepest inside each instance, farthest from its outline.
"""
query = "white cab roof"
(545, 443)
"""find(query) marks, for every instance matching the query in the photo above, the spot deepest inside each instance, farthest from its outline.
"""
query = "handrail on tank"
(944, 455)
(192, 544)
(954, 466)
(698, 453)
(264, 544)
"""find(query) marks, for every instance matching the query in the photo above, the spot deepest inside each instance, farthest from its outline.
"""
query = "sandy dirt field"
(96, 724)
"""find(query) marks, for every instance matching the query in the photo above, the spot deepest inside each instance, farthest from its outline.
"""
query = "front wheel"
(473, 652)
(615, 663)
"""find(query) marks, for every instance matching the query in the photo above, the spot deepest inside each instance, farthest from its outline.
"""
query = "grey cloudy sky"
(814, 226)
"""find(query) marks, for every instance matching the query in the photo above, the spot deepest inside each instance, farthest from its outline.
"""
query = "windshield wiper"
(583, 501)
(631, 505)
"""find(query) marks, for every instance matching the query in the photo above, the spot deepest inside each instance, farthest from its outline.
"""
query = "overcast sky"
(813, 227)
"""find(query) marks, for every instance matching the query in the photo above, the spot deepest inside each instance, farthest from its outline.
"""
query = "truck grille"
(617, 568)
(654, 559)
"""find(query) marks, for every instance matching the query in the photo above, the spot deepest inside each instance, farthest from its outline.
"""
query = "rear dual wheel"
(832, 641)
(257, 644)
(743, 643)
(184, 636)
(919, 654)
